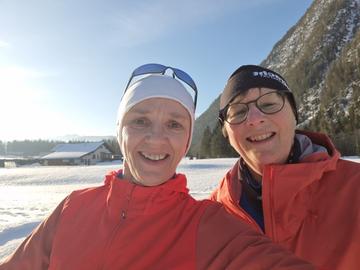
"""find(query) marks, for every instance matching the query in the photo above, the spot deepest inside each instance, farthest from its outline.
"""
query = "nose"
(254, 116)
(156, 133)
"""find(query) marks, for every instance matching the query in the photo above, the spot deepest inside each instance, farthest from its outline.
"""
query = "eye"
(237, 111)
(270, 103)
(140, 122)
(269, 107)
(174, 125)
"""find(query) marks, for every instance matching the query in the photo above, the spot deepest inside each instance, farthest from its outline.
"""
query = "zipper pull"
(123, 214)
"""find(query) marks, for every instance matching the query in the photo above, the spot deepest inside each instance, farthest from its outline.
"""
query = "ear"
(118, 134)
(294, 121)
(224, 132)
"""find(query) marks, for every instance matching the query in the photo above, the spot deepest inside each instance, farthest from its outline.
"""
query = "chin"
(270, 159)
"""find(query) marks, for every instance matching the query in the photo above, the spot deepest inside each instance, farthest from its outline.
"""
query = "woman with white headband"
(143, 217)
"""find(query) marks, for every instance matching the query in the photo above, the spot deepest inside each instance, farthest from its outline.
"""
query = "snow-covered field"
(29, 194)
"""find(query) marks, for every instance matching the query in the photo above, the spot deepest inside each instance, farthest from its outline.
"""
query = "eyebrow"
(179, 116)
(172, 114)
(239, 98)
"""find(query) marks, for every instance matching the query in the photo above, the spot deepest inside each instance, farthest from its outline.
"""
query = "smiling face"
(155, 134)
(262, 138)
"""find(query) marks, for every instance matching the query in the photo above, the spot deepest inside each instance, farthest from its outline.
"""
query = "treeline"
(339, 111)
(32, 148)
(114, 146)
(214, 145)
(27, 148)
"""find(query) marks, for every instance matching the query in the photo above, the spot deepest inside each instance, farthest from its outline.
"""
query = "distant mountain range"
(78, 138)
(320, 59)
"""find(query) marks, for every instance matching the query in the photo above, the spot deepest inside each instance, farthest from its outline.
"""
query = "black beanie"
(252, 76)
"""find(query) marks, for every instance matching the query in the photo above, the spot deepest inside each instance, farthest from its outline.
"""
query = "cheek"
(235, 139)
(287, 113)
(289, 126)
(125, 143)
(178, 144)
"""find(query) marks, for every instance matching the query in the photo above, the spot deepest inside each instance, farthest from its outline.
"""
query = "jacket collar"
(315, 146)
(124, 195)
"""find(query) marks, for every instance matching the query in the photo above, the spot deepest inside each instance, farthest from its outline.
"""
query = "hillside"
(320, 58)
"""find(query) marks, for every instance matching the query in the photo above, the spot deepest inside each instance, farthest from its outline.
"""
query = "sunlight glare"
(25, 111)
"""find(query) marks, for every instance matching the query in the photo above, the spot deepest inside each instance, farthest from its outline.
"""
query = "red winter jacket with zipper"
(125, 226)
(312, 208)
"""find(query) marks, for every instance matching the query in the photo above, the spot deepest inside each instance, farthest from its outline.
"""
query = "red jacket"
(125, 226)
(311, 208)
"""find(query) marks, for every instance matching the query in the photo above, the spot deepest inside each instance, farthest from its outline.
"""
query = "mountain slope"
(319, 57)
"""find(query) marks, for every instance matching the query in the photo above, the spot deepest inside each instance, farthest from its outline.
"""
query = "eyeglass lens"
(149, 68)
(269, 103)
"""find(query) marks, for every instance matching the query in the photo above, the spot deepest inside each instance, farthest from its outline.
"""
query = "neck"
(257, 176)
(128, 175)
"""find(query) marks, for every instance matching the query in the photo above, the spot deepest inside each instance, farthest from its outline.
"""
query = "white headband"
(155, 86)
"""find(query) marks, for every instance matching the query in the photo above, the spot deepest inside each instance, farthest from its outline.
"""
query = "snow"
(351, 20)
(29, 194)
(77, 147)
(291, 50)
(311, 104)
(350, 14)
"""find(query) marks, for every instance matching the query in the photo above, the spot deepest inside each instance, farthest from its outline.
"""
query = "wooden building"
(88, 153)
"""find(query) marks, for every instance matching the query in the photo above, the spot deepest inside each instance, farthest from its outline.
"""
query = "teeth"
(153, 156)
(260, 137)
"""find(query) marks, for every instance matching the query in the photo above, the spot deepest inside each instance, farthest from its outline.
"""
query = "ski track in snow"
(29, 194)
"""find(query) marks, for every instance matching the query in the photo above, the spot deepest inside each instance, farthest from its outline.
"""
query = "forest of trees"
(36, 148)
(27, 148)
(339, 115)
(214, 145)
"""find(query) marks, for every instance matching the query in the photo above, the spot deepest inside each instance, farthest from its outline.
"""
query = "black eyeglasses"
(269, 103)
(161, 69)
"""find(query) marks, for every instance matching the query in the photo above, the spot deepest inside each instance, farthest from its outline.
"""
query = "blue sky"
(64, 64)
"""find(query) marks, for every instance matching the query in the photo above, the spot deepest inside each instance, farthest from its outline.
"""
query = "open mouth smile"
(154, 157)
(260, 138)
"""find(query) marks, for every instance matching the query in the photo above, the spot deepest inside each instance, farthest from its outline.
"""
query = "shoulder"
(347, 171)
(349, 164)
(348, 174)
(89, 191)
(86, 196)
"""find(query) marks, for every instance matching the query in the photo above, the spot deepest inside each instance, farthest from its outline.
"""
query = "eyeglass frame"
(223, 112)
(175, 71)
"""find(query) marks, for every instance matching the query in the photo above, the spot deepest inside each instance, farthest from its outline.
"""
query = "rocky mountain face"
(320, 59)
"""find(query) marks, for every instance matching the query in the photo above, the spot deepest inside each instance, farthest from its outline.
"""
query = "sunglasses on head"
(161, 69)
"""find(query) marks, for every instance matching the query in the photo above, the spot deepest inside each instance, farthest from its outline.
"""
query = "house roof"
(72, 150)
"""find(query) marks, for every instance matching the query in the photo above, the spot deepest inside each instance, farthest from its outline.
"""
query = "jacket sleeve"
(226, 242)
(34, 252)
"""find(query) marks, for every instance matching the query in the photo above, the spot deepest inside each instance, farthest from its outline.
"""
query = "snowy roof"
(72, 150)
